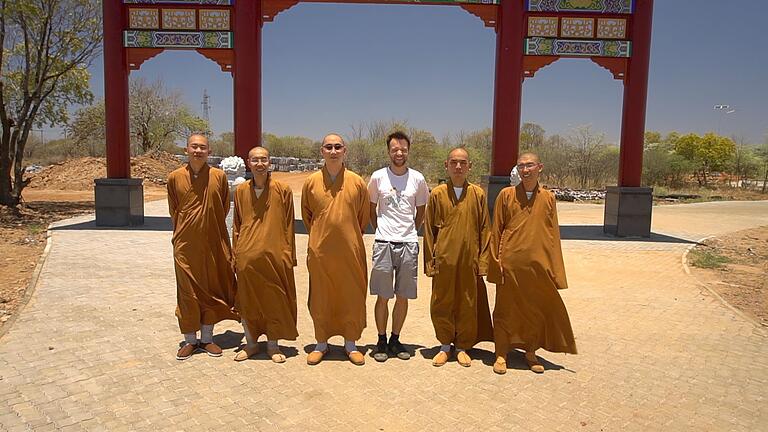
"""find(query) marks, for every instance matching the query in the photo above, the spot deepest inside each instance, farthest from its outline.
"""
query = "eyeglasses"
(337, 147)
(528, 165)
(261, 159)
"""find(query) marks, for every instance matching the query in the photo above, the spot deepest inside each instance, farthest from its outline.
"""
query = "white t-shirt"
(458, 191)
(396, 198)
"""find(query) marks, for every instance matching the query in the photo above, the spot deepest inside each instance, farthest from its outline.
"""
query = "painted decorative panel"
(139, 18)
(542, 26)
(577, 28)
(183, 2)
(611, 28)
(580, 48)
(214, 19)
(179, 39)
(179, 19)
(596, 6)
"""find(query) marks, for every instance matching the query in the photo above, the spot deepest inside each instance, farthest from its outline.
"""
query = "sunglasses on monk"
(330, 147)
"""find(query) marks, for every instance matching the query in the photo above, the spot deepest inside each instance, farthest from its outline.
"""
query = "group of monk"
(252, 280)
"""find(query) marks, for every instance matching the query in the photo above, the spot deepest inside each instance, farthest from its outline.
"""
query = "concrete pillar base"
(494, 185)
(628, 211)
(119, 202)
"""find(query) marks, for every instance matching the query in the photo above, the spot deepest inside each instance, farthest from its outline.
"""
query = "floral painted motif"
(542, 26)
(611, 28)
(577, 27)
(596, 6)
(179, 19)
(139, 18)
(211, 19)
(171, 39)
(577, 48)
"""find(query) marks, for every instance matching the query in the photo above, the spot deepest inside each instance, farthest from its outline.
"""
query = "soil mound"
(78, 174)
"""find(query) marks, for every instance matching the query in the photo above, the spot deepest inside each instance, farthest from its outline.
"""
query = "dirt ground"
(743, 278)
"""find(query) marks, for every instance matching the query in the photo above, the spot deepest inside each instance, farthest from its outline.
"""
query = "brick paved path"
(94, 348)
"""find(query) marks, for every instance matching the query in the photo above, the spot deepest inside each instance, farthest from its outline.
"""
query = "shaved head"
(458, 151)
(528, 156)
(258, 151)
(333, 135)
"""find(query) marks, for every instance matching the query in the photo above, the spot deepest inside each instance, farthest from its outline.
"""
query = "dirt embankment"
(736, 267)
(78, 174)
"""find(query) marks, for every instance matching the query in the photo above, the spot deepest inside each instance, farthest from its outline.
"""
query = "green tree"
(531, 135)
(158, 118)
(710, 152)
(762, 154)
(47, 46)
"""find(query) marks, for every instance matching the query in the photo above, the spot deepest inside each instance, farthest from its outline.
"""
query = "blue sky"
(330, 66)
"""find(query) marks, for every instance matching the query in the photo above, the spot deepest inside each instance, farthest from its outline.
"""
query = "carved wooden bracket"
(487, 13)
(532, 64)
(136, 56)
(225, 58)
(270, 8)
(617, 66)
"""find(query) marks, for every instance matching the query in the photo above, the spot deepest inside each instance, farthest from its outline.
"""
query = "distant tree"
(652, 139)
(531, 135)
(47, 47)
(762, 154)
(710, 153)
(588, 148)
(157, 118)
(744, 163)
(223, 145)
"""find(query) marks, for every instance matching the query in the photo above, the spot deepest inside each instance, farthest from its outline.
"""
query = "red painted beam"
(247, 76)
(635, 97)
(116, 92)
(508, 86)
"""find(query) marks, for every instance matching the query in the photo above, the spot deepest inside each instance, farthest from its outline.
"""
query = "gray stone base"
(628, 211)
(494, 186)
(119, 202)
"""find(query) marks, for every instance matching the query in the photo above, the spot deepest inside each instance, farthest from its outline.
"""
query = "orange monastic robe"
(265, 254)
(456, 231)
(205, 282)
(335, 214)
(527, 268)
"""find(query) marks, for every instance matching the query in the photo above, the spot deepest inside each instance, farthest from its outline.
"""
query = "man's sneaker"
(186, 351)
(398, 349)
(381, 352)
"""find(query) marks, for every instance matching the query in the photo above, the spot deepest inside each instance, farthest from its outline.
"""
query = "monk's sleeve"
(224, 185)
(429, 237)
(558, 267)
(497, 232)
(236, 221)
(306, 210)
(485, 237)
(290, 230)
(173, 202)
(364, 208)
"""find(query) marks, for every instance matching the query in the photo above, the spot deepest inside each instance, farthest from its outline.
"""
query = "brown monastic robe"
(527, 268)
(335, 214)
(205, 282)
(265, 254)
(456, 235)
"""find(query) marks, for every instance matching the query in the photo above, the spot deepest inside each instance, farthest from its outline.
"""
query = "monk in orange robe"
(527, 268)
(456, 235)
(335, 208)
(198, 200)
(265, 255)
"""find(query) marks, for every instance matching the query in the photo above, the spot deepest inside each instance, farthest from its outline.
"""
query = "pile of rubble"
(572, 195)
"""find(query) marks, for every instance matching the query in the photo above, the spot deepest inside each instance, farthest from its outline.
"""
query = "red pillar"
(247, 75)
(635, 97)
(116, 92)
(508, 86)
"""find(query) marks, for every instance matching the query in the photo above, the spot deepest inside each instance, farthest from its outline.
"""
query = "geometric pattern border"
(183, 2)
(593, 6)
(577, 48)
(177, 39)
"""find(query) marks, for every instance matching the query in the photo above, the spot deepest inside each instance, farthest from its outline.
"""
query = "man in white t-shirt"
(398, 198)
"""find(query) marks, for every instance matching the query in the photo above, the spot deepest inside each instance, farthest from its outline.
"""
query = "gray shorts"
(400, 260)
